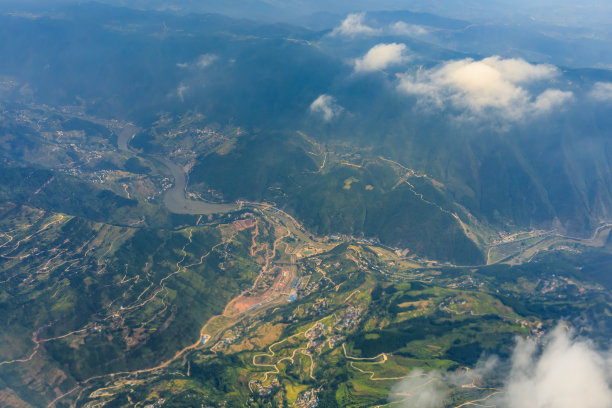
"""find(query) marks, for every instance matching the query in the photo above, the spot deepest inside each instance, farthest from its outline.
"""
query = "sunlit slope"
(81, 299)
(341, 194)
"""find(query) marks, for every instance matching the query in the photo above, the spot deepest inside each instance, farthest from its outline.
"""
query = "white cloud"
(489, 85)
(203, 61)
(326, 106)
(568, 373)
(430, 389)
(602, 91)
(419, 390)
(402, 28)
(180, 91)
(381, 56)
(560, 372)
(551, 98)
(353, 26)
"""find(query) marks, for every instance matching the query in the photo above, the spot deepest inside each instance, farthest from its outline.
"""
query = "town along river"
(174, 199)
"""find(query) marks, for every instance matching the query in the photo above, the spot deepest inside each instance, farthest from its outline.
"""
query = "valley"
(306, 305)
(340, 209)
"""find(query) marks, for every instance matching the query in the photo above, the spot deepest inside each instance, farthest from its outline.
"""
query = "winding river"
(174, 199)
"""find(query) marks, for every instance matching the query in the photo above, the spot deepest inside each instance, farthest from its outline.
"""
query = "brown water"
(174, 199)
(176, 202)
